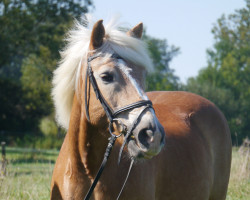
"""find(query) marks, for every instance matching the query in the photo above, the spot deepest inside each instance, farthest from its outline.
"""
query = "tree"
(31, 35)
(227, 73)
(36, 83)
(161, 53)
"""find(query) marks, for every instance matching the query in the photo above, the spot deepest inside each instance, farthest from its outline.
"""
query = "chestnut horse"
(181, 145)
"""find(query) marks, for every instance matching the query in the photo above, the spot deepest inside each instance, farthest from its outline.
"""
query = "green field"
(29, 173)
(239, 185)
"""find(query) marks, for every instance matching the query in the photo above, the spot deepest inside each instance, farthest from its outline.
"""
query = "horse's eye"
(107, 77)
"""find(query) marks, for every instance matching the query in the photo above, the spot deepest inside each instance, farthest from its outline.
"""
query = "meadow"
(29, 173)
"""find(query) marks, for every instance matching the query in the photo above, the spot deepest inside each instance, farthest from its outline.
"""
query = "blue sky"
(184, 23)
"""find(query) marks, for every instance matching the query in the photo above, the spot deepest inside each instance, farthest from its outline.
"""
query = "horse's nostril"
(145, 137)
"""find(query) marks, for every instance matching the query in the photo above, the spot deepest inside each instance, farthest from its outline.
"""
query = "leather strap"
(105, 159)
(132, 106)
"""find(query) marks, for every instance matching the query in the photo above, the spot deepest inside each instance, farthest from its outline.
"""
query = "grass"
(239, 184)
(29, 174)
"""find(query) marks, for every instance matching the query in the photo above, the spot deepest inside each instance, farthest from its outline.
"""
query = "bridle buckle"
(112, 131)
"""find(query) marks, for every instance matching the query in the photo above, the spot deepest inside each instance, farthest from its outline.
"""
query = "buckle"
(111, 128)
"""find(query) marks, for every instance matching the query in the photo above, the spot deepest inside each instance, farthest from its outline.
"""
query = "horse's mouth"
(137, 151)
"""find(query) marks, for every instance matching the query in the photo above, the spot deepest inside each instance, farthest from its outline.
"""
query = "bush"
(48, 127)
(49, 142)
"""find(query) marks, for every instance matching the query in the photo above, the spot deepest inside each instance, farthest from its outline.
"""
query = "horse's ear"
(136, 31)
(97, 35)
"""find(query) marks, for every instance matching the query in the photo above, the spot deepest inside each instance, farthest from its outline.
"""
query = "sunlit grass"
(29, 174)
(239, 184)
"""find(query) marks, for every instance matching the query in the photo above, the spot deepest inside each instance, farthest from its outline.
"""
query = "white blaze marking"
(126, 71)
(132, 116)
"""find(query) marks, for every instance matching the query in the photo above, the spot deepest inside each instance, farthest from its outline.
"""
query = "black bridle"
(111, 114)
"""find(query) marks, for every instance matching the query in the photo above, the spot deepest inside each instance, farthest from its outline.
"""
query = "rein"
(111, 114)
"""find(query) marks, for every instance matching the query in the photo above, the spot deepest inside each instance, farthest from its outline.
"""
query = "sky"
(186, 24)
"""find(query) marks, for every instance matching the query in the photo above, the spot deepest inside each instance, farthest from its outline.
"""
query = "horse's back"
(195, 162)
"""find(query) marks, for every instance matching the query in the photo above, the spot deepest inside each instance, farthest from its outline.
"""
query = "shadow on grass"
(15, 174)
(32, 161)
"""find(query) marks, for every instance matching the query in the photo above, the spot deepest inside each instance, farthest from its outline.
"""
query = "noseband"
(111, 114)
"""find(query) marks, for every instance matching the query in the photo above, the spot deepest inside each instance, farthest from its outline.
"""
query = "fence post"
(4, 161)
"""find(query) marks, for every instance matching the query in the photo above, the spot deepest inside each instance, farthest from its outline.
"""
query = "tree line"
(226, 78)
(31, 36)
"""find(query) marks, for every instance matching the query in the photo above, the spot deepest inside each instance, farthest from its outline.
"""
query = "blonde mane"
(67, 74)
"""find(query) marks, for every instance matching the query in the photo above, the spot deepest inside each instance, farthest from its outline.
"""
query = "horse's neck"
(86, 143)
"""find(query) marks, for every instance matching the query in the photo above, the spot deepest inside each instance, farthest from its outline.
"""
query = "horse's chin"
(137, 152)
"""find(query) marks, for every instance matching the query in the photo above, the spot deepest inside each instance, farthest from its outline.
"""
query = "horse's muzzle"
(149, 137)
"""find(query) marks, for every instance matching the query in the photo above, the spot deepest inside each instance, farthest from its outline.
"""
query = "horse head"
(119, 84)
